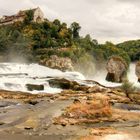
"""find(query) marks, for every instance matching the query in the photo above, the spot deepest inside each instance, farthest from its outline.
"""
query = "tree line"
(39, 40)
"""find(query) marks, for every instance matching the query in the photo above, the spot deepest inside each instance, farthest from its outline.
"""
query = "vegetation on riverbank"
(36, 41)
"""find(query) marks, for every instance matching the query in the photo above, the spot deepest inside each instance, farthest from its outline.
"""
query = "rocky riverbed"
(79, 112)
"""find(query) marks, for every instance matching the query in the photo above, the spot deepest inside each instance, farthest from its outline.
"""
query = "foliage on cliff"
(132, 48)
(37, 41)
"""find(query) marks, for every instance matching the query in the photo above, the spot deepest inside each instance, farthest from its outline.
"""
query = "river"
(14, 77)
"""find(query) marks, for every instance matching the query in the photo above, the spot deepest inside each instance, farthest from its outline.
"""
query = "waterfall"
(14, 77)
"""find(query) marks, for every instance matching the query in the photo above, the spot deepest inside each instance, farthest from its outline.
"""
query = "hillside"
(34, 42)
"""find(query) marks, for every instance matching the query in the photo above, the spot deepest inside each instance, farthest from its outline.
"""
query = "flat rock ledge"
(79, 112)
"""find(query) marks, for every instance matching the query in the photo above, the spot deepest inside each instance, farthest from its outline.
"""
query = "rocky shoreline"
(77, 113)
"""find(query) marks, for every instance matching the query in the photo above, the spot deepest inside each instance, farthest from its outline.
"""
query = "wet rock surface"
(66, 84)
(76, 113)
(32, 87)
(133, 107)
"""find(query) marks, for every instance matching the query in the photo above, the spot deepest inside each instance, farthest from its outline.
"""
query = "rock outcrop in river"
(32, 87)
(117, 69)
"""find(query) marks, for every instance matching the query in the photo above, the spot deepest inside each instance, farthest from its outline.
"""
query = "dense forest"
(36, 41)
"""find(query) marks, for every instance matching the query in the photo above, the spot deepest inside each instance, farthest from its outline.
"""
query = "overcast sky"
(112, 20)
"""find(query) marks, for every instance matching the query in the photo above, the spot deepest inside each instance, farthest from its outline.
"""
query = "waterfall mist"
(96, 71)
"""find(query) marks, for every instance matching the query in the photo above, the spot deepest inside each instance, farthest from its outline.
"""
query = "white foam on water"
(14, 77)
(132, 76)
(100, 77)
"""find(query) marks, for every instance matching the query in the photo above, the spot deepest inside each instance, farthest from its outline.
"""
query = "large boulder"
(137, 70)
(117, 69)
(56, 62)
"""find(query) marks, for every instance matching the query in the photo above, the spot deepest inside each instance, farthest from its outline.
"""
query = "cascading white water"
(100, 76)
(132, 76)
(15, 76)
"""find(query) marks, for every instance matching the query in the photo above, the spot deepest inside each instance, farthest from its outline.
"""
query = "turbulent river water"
(100, 77)
(14, 77)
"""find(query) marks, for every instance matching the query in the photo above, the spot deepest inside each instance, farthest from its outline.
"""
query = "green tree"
(75, 28)
(29, 17)
(4, 39)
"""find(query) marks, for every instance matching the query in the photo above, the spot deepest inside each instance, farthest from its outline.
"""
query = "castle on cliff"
(38, 17)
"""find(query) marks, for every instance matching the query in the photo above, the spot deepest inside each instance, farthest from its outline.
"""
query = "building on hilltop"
(38, 17)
